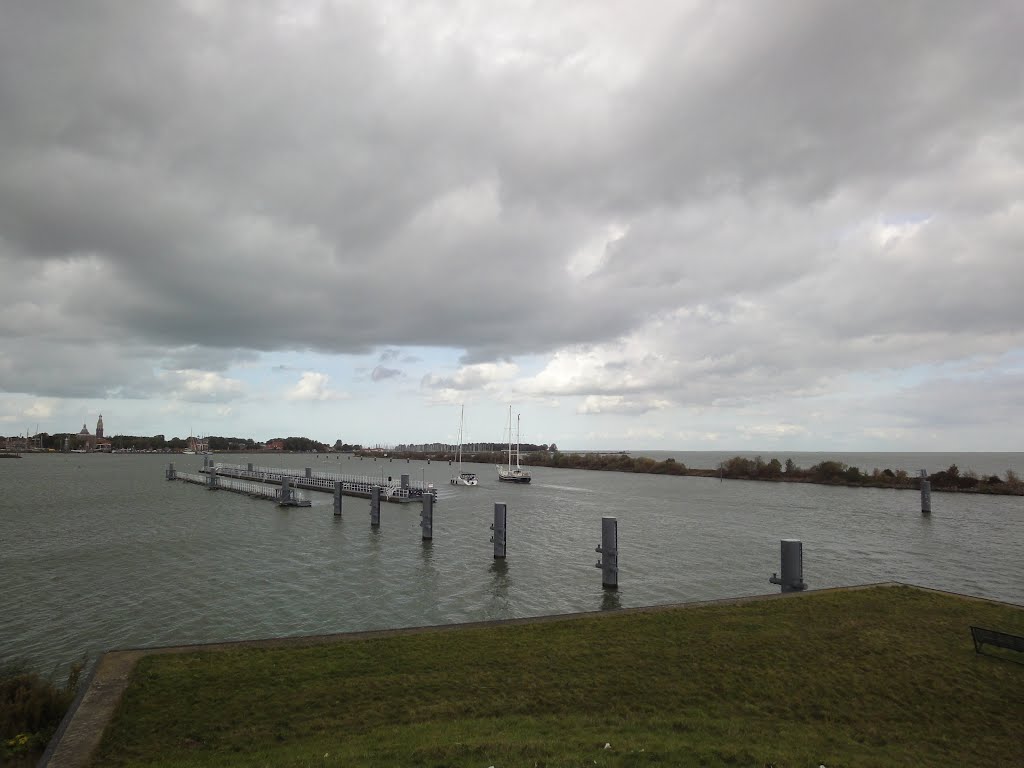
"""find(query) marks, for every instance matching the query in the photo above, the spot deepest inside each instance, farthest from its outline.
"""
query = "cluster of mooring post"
(500, 526)
(791, 555)
(926, 493)
(375, 507)
(427, 517)
(792, 579)
(609, 551)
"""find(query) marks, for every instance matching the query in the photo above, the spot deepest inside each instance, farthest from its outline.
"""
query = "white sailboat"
(512, 474)
(463, 478)
(197, 446)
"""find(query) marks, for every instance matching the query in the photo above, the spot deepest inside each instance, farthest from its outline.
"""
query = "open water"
(99, 551)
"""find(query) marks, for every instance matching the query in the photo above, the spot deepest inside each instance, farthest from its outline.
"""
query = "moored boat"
(512, 474)
(463, 478)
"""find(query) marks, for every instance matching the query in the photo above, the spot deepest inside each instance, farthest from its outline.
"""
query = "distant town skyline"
(680, 226)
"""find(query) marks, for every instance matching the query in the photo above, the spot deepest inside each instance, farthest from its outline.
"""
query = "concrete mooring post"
(250, 468)
(500, 528)
(405, 482)
(171, 473)
(375, 507)
(926, 493)
(792, 579)
(286, 490)
(609, 551)
(337, 498)
(427, 517)
(211, 475)
(309, 472)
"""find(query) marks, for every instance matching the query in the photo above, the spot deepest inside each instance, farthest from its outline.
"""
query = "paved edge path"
(82, 728)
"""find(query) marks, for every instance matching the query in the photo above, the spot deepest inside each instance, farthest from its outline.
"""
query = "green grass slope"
(874, 677)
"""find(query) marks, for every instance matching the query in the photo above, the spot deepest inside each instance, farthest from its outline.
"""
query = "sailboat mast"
(518, 415)
(462, 416)
(510, 438)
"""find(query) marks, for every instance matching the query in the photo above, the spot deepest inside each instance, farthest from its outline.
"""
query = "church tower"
(99, 426)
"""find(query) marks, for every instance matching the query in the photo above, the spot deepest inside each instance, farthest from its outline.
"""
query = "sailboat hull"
(513, 476)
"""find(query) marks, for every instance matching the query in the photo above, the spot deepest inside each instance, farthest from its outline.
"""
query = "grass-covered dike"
(873, 677)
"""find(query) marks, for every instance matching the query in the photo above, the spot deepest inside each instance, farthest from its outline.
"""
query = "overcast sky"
(690, 225)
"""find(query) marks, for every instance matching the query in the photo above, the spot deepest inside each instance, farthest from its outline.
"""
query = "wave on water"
(572, 488)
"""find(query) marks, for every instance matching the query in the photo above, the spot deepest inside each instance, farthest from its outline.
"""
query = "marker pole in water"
(792, 579)
(499, 526)
(427, 517)
(337, 498)
(609, 551)
(926, 493)
(375, 507)
(171, 474)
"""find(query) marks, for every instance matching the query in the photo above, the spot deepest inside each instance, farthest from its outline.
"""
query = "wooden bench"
(995, 638)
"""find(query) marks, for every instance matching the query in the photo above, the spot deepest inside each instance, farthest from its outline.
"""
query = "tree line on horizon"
(741, 468)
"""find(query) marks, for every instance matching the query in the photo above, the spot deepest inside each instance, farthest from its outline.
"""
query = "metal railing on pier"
(399, 491)
(250, 488)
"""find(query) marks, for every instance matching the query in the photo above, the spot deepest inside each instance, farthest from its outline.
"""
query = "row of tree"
(741, 468)
(838, 473)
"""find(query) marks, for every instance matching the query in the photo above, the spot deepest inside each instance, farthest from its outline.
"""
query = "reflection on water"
(500, 569)
(611, 600)
(427, 550)
(499, 591)
(99, 551)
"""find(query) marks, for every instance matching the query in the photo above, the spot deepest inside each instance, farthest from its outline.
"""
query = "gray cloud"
(380, 373)
(723, 205)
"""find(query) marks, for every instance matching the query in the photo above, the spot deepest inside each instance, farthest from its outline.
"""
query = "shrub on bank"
(31, 708)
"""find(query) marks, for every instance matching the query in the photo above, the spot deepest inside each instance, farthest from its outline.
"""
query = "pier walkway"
(400, 490)
(248, 487)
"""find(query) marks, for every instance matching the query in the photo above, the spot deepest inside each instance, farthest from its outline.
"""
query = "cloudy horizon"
(694, 226)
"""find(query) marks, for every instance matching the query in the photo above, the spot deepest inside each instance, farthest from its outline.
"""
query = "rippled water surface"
(99, 551)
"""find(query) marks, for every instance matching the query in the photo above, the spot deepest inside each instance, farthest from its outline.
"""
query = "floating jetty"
(284, 496)
(398, 491)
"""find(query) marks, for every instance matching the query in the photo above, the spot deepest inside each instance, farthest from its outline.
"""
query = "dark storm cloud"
(188, 181)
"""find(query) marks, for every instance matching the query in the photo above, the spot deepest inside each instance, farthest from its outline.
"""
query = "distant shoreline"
(828, 472)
